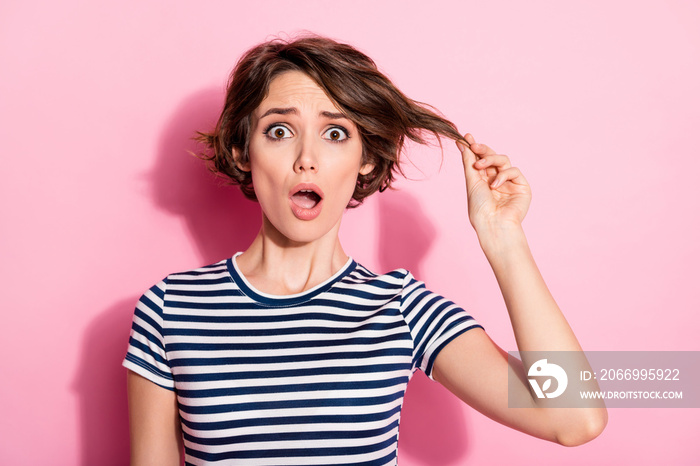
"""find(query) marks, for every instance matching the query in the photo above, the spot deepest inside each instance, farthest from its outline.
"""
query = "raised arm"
(154, 424)
(472, 366)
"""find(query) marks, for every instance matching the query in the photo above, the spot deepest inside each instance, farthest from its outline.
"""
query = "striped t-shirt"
(311, 378)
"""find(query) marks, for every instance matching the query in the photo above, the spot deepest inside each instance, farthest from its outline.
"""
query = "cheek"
(261, 161)
(345, 183)
(263, 182)
(264, 178)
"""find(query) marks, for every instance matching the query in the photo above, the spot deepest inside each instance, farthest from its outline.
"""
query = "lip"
(300, 212)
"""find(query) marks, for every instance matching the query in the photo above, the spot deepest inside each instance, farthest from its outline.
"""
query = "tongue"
(305, 200)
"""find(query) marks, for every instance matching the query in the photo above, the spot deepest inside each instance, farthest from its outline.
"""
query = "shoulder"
(393, 282)
(216, 269)
(207, 275)
(362, 275)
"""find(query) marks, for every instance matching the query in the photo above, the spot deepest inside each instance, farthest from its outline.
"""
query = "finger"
(498, 161)
(469, 158)
(482, 150)
(511, 174)
(470, 138)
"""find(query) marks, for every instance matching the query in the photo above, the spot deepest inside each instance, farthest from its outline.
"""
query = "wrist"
(500, 238)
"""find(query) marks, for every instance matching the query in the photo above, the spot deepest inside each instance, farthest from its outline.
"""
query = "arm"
(154, 423)
(472, 366)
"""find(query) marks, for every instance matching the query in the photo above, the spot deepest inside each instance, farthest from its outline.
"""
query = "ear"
(366, 169)
(237, 156)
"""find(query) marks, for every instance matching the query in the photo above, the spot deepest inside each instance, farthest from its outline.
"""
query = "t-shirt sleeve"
(146, 352)
(433, 321)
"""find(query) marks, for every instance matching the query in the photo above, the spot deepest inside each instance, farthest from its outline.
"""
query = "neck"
(277, 265)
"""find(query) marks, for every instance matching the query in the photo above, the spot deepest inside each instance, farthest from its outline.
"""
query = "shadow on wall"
(219, 218)
(220, 222)
(101, 387)
(433, 430)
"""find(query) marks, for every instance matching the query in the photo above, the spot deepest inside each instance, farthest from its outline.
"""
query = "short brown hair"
(384, 116)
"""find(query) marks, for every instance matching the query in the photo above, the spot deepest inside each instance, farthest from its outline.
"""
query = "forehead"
(295, 89)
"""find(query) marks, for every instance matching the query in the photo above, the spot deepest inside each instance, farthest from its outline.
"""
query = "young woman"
(292, 353)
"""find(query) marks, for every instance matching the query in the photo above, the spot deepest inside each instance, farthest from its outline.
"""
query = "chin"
(303, 237)
(300, 231)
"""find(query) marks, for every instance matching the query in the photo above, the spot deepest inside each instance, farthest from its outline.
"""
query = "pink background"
(597, 102)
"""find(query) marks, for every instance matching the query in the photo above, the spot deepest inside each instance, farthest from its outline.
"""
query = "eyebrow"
(280, 111)
(294, 111)
(333, 116)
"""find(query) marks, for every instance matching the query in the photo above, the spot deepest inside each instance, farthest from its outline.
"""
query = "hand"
(497, 194)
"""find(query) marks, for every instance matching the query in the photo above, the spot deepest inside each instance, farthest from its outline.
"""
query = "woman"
(292, 353)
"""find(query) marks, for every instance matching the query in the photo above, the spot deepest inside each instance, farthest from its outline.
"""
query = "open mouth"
(306, 198)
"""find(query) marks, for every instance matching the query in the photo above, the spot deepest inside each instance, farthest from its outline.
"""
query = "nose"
(307, 156)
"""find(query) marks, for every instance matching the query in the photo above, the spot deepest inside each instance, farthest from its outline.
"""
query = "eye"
(335, 134)
(278, 132)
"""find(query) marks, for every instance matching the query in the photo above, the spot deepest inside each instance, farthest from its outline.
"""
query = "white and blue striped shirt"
(312, 378)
